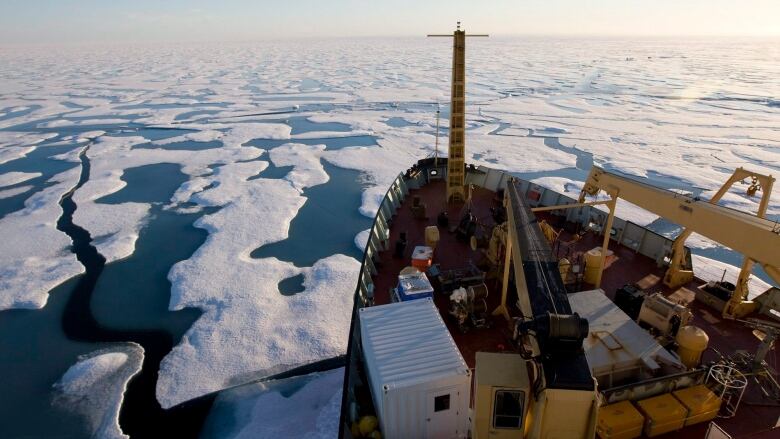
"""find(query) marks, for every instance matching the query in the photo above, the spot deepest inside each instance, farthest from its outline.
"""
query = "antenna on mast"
(456, 165)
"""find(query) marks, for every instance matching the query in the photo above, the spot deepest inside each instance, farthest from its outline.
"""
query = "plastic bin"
(619, 421)
(413, 286)
(702, 404)
(431, 236)
(663, 413)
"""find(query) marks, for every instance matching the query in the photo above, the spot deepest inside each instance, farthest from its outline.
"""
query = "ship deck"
(756, 417)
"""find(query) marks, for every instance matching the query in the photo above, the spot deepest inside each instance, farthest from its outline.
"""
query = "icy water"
(128, 300)
(682, 115)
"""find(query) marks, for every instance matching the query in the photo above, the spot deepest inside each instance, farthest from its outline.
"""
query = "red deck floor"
(754, 418)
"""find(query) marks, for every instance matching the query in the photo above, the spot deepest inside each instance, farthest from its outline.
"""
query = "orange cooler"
(663, 413)
(619, 421)
(422, 256)
(702, 404)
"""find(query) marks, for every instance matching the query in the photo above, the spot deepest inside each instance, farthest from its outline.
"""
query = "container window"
(508, 409)
(441, 403)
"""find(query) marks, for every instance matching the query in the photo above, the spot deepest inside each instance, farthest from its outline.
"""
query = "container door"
(442, 416)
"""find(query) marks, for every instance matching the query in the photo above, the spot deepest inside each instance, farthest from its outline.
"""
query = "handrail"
(358, 295)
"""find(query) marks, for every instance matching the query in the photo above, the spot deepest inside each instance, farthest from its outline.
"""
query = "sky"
(88, 21)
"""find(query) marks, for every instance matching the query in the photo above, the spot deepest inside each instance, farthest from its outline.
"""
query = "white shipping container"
(419, 381)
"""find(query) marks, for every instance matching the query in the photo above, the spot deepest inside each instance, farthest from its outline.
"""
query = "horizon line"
(386, 36)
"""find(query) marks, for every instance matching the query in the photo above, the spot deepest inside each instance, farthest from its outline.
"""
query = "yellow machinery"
(501, 393)
(679, 273)
(456, 165)
(692, 341)
(757, 238)
(548, 331)
(593, 264)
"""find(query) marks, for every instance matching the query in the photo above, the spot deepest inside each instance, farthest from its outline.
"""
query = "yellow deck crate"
(619, 421)
(663, 413)
(702, 404)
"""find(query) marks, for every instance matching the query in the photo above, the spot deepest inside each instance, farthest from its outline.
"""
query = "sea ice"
(94, 387)
(35, 256)
(711, 269)
(307, 169)
(266, 331)
(12, 192)
(116, 227)
(361, 239)
(305, 406)
(10, 178)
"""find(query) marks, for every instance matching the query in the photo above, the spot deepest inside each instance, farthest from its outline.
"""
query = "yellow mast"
(456, 166)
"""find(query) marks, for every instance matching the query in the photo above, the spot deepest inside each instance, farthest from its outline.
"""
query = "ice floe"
(35, 256)
(307, 169)
(94, 387)
(306, 406)
(12, 192)
(267, 332)
(11, 178)
(361, 239)
(116, 227)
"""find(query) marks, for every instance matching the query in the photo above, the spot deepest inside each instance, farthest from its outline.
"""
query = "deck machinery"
(530, 367)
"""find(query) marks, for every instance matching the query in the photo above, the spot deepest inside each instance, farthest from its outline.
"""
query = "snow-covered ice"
(711, 269)
(14, 191)
(116, 227)
(267, 332)
(306, 406)
(361, 239)
(10, 178)
(94, 387)
(35, 256)
(14, 145)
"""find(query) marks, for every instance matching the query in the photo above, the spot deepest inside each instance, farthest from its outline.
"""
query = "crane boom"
(757, 238)
(754, 237)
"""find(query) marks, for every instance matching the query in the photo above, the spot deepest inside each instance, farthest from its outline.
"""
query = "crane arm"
(756, 238)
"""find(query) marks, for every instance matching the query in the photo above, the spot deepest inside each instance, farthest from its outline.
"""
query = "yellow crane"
(754, 236)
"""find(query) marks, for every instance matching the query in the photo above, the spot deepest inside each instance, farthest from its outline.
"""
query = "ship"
(488, 306)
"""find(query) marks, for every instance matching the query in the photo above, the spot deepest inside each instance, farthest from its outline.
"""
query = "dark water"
(302, 124)
(141, 414)
(34, 354)
(399, 122)
(39, 160)
(125, 301)
(326, 224)
(272, 171)
(128, 299)
(186, 145)
(292, 285)
(168, 238)
(6, 115)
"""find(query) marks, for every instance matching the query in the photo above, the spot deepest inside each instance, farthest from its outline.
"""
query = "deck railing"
(378, 240)
(626, 233)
